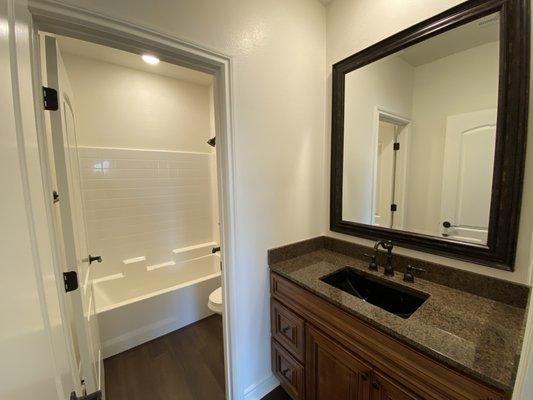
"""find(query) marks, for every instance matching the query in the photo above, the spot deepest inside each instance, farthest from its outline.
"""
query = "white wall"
(123, 107)
(388, 84)
(355, 25)
(278, 55)
(463, 82)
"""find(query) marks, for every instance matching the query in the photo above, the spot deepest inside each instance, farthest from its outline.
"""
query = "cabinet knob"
(284, 372)
(364, 376)
(376, 385)
(285, 329)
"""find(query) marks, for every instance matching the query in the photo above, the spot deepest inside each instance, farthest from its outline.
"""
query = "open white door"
(71, 228)
(390, 174)
(467, 175)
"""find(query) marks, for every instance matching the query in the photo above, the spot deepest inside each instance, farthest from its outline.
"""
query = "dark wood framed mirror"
(429, 130)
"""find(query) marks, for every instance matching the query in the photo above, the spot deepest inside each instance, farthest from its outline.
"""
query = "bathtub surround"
(144, 207)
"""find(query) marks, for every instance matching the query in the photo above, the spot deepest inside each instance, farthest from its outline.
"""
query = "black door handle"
(94, 258)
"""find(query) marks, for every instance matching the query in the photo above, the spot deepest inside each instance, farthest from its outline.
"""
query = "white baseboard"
(260, 389)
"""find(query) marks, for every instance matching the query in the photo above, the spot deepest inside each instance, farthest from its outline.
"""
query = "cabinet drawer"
(288, 370)
(288, 329)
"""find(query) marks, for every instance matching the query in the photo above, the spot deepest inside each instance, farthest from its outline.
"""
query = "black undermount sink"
(393, 298)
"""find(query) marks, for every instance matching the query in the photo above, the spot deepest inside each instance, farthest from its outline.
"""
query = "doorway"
(391, 138)
(186, 252)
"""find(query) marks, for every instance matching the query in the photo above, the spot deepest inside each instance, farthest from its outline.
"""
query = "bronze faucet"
(387, 245)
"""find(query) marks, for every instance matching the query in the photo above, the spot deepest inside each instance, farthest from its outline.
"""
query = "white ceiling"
(473, 34)
(130, 60)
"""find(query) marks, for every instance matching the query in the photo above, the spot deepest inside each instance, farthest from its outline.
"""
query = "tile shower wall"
(143, 204)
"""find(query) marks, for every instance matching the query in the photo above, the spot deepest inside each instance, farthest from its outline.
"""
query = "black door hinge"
(70, 279)
(50, 99)
(393, 207)
(396, 146)
(55, 195)
(93, 396)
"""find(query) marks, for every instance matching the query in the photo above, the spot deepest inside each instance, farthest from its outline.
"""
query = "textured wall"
(278, 71)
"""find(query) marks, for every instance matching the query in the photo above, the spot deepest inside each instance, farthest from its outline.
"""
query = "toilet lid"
(216, 296)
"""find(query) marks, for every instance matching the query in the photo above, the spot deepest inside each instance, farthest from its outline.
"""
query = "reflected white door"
(72, 223)
(467, 175)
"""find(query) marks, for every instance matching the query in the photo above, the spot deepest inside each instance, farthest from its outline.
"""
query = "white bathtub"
(147, 303)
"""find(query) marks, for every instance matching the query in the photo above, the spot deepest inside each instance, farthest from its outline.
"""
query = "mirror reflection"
(419, 135)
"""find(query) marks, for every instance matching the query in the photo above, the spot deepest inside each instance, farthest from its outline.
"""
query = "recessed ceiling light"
(150, 59)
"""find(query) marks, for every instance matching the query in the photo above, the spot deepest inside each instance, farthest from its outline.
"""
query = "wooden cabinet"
(320, 352)
(332, 372)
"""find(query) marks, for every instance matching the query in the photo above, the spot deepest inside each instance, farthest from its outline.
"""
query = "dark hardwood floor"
(277, 394)
(187, 364)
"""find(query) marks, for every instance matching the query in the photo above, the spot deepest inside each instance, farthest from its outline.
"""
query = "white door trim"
(59, 18)
(27, 186)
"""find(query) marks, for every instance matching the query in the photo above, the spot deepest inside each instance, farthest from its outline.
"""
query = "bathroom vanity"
(462, 342)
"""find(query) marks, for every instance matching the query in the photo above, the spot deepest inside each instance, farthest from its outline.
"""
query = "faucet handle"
(408, 276)
(372, 265)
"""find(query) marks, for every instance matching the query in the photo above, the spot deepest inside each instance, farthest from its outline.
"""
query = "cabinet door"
(384, 388)
(332, 373)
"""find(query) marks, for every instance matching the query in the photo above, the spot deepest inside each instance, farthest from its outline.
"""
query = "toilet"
(215, 301)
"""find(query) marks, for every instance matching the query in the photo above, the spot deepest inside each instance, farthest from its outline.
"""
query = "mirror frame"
(511, 132)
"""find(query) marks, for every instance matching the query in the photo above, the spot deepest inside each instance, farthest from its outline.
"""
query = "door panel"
(72, 222)
(467, 175)
(332, 372)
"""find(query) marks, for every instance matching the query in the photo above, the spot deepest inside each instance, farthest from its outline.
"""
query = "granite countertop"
(474, 334)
